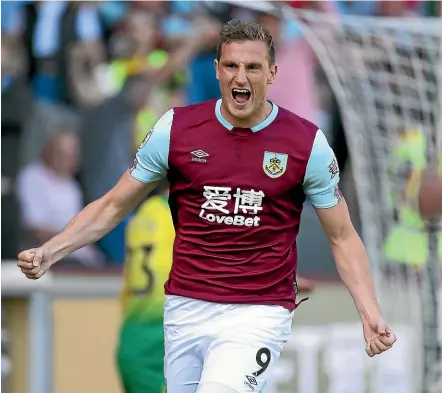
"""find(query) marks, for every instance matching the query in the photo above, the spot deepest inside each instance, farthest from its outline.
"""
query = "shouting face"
(244, 71)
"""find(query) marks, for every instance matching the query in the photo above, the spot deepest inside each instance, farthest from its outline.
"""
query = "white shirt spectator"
(49, 201)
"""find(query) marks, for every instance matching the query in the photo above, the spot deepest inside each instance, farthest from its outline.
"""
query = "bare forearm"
(354, 268)
(91, 224)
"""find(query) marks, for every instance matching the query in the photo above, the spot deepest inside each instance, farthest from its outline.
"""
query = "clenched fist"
(378, 336)
(34, 262)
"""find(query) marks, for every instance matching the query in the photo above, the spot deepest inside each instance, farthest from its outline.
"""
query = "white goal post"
(386, 74)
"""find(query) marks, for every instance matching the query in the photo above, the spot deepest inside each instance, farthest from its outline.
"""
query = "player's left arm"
(321, 185)
(351, 259)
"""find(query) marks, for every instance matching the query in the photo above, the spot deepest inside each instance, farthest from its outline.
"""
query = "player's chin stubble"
(243, 113)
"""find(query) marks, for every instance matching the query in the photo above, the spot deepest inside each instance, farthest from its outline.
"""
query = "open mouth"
(241, 96)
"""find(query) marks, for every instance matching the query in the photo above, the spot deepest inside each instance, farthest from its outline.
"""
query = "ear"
(216, 64)
(273, 72)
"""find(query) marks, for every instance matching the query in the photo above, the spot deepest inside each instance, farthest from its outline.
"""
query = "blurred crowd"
(82, 83)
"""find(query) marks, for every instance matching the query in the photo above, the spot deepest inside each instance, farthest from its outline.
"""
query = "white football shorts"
(235, 345)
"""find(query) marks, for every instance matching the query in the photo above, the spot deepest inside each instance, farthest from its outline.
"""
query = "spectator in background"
(203, 84)
(135, 51)
(111, 14)
(50, 197)
(138, 47)
(108, 148)
(295, 86)
(108, 134)
(64, 45)
(83, 51)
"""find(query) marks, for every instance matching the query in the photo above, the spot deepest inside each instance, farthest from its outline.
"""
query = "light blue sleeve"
(152, 160)
(322, 175)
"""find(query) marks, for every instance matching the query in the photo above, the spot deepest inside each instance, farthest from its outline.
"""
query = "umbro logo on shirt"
(199, 155)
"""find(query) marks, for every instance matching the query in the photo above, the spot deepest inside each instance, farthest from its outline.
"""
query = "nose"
(241, 76)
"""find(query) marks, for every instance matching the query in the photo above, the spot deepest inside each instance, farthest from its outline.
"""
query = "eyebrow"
(252, 63)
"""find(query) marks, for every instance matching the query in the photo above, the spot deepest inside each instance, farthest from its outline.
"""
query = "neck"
(55, 172)
(257, 117)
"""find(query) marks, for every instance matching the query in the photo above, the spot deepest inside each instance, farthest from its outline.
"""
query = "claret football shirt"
(236, 199)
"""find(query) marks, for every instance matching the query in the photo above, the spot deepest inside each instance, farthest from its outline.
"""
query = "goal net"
(386, 75)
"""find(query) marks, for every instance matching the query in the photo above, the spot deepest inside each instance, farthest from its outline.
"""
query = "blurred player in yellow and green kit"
(149, 240)
(407, 242)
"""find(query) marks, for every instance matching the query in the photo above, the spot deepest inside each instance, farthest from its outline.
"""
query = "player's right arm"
(102, 215)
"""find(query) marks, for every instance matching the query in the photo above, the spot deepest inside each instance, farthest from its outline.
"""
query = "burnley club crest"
(274, 164)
